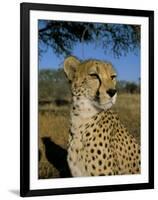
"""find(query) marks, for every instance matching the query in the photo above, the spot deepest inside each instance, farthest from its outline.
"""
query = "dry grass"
(54, 123)
(128, 109)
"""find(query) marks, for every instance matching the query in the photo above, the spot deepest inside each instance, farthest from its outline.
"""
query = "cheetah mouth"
(105, 105)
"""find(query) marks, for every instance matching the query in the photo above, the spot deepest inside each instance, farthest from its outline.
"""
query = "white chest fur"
(81, 112)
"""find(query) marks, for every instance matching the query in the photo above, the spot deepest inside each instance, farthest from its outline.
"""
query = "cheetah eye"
(93, 75)
(113, 77)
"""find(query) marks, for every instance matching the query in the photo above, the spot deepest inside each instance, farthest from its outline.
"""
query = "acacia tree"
(63, 36)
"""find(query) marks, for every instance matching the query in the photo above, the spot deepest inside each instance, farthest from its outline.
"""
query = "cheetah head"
(92, 79)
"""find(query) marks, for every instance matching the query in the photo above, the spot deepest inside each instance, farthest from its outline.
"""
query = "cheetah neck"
(82, 111)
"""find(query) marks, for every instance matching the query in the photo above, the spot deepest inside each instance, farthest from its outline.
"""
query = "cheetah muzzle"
(99, 144)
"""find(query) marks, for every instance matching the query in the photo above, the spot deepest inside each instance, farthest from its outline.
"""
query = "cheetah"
(99, 144)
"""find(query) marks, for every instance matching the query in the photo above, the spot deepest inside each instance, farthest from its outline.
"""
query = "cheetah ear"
(70, 66)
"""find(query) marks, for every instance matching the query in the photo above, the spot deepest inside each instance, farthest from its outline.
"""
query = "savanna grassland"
(54, 123)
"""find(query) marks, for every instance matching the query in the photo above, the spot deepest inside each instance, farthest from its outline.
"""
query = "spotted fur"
(99, 144)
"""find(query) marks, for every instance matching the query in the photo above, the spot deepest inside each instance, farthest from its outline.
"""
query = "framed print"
(87, 99)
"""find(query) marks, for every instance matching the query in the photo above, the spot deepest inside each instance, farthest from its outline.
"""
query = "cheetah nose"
(111, 92)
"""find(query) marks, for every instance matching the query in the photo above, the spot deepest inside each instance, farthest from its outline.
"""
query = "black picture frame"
(25, 9)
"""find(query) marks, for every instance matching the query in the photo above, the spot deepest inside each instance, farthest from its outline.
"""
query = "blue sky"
(127, 67)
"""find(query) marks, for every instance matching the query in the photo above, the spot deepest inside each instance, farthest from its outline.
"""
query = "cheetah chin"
(107, 105)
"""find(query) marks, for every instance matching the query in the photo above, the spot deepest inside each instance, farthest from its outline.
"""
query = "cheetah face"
(94, 80)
